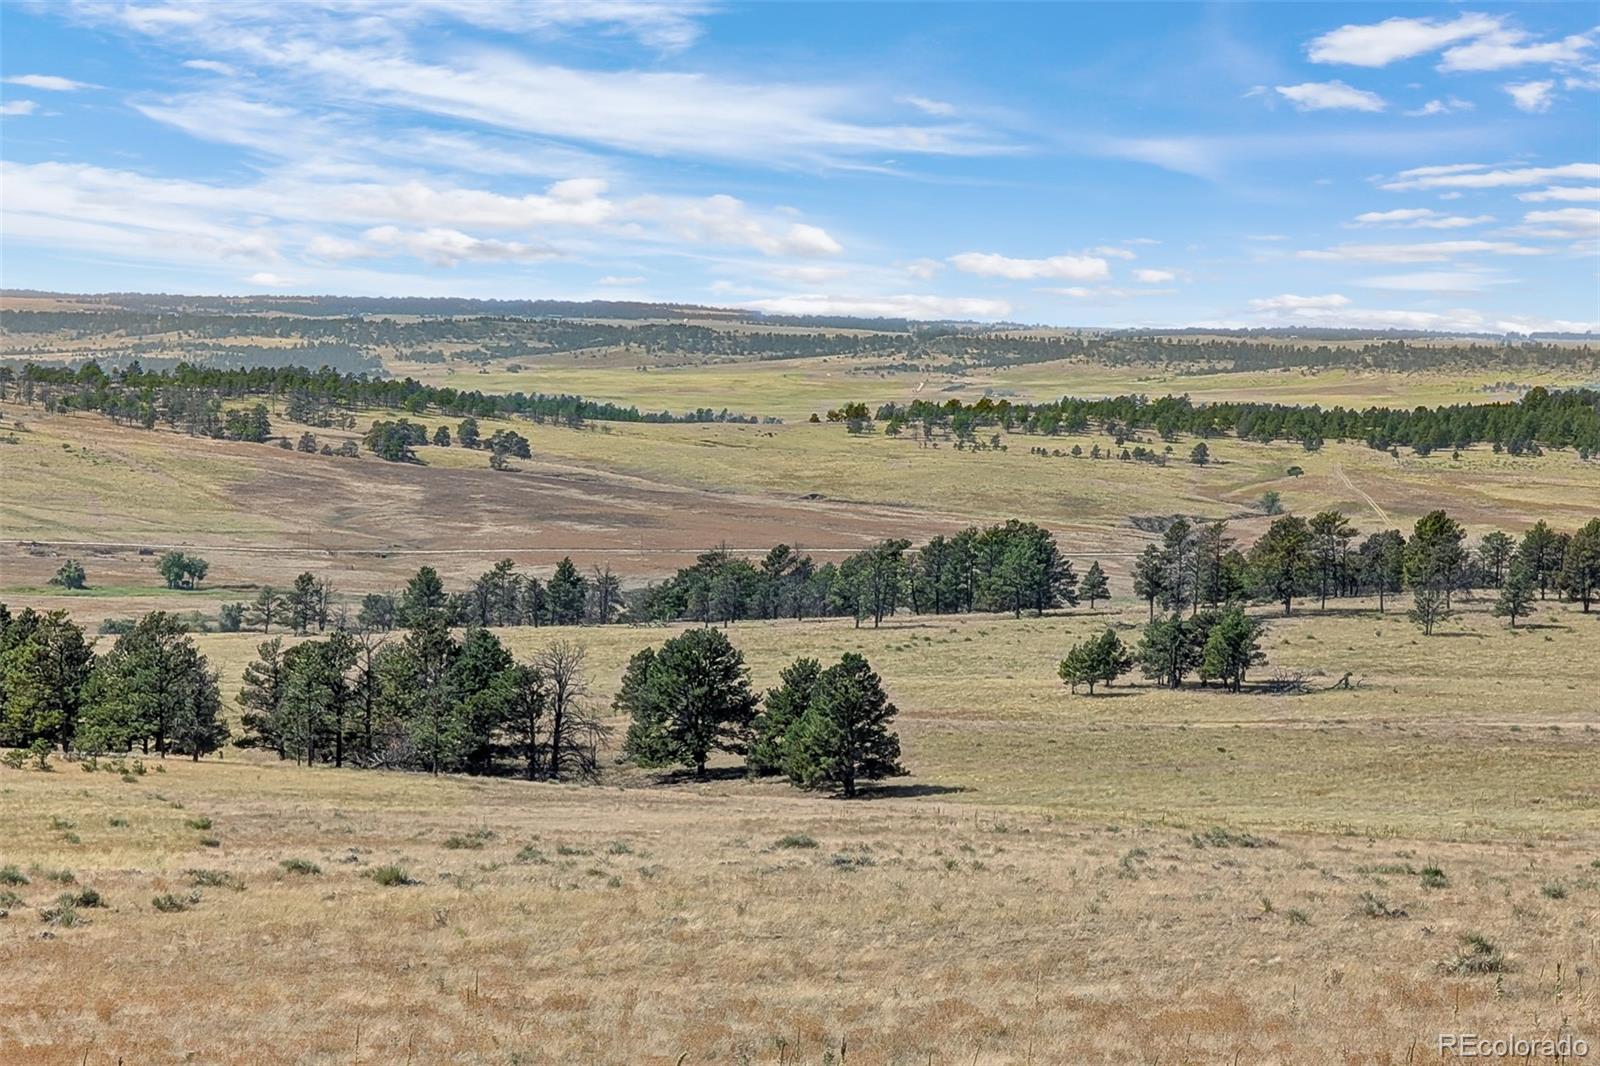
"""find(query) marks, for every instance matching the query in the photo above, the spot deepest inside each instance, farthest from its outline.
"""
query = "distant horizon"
(750, 314)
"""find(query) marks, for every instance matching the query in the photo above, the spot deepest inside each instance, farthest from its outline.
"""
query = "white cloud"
(1330, 96)
(1382, 43)
(1111, 251)
(448, 247)
(49, 83)
(898, 306)
(1449, 105)
(1291, 302)
(267, 279)
(18, 107)
(1478, 176)
(336, 50)
(1451, 281)
(1419, 218)
(1562, 223)
(1107, 293)
(332, 220)
(929, 107)
(1532, 96)
(620, 280)
(1070, 267)
(923, 269)
(1434, 252)
(1562, 192)
(1154, 277)
(1504, 49)
(213, 66)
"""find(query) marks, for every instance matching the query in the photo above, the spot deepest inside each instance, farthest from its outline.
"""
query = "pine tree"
(687, 700)
(1516, 595)
(1580, 564)
(260, 699)
(780, 710)
(1094, 586)
(1231, 647)
(1100, 659)
(844, 737)
(1149, 577)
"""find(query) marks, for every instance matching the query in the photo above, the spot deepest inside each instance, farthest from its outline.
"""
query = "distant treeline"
(479, 331)
(149, 393)
(1559, 419)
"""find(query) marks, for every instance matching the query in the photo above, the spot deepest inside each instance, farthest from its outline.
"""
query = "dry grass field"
(1143, 876)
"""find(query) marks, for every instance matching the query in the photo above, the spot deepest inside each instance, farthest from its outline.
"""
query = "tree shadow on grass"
(887, 791)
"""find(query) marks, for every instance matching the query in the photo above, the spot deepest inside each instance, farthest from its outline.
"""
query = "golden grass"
(667, 925)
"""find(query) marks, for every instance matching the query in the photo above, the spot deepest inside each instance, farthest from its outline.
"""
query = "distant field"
(792, 389)
(645, 498)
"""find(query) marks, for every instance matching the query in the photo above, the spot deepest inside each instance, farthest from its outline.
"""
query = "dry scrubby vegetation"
(1334, 791)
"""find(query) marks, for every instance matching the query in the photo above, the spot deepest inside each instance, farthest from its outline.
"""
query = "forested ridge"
(1558, 419)
(346, 332)
(139, 396)
(1553, 418)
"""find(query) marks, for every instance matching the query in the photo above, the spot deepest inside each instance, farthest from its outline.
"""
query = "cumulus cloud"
(1069, 267)
(1154, 277)
(1434, 252)
(904, 305)
(1508, 48)
(448, 247)
(18, 107)
(1330, 96)
(1418, 218)
(267, 278)
(1532, 96)
(923, 269)
(1380, 44)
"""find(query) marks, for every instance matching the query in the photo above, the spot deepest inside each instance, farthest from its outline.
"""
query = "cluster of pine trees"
(158, 395)
(153, 689)
(1015, 566)
(821, 728)
(1559, 419)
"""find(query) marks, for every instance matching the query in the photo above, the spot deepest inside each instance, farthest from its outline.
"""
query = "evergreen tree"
(268, 607)
(1149, 577)
(1330, 537)
(1434, 554)
(1094, 586)
(1098, 660)
(1382, 561)
(424, 602)
(1580, 564)
(1516, 595)
(780, 710)
(844, 737)
(260, 699)
(1428, 608)
(687, 700)
(1542, 550)
(153, 688)
(1231, 647)
(1281, 560)
(1168, 651)
(1495, 551)
(565, 594)
(71, 576)
(45, 665)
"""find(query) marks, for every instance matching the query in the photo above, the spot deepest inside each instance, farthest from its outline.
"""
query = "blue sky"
(1422, 166)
